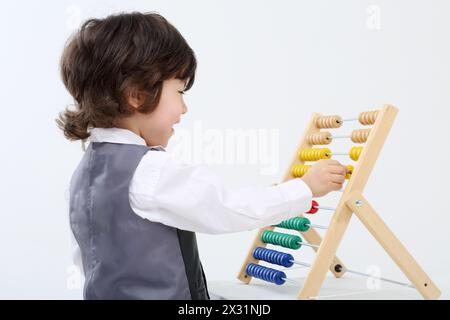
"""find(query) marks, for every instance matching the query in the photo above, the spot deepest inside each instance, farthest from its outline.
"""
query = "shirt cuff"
(298, 194)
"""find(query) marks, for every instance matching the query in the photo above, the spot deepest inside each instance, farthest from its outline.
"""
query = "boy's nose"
(184, 109)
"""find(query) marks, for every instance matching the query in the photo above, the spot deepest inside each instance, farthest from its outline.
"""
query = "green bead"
(281, 239)
(295, 243)
(297, 223)
(305, 223)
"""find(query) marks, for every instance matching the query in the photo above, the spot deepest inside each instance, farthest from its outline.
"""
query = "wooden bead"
(319, 138)
(328, 122)
(360, 136)
(368, 117)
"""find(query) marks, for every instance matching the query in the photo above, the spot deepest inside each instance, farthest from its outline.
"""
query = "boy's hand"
(325, 176)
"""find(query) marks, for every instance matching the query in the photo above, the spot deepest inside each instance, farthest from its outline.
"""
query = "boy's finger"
(336, 186)
(338, 170)
(338, 178)
(331, 162)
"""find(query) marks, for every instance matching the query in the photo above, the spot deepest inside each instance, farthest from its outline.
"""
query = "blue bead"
(273, 256)
(266, 274)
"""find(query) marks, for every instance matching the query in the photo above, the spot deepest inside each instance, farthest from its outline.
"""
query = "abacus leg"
(393, 246)
(336, 267)
(326, 252)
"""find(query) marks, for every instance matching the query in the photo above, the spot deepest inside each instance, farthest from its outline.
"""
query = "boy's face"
(156, 128)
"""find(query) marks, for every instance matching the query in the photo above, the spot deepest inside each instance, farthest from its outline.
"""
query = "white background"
(261, 65)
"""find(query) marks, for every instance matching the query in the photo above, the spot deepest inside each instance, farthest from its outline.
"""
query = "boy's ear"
(136, 98)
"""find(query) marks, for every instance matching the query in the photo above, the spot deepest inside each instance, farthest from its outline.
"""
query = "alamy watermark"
(254, 146)
(373, 21)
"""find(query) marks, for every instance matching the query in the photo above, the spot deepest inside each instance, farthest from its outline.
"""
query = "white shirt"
(194, 198)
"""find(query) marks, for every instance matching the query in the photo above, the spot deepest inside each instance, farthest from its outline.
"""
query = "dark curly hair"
(106, 58)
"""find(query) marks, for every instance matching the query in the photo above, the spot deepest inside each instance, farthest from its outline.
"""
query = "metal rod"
(291, 281)
(325, 208)
(362, 274)
(338, 153)
(315, 226)
(343, 136)
(381, 278)
(301, 263)
(308, 245)
(350, 119)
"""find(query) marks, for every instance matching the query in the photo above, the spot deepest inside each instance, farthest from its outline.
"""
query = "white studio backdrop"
(263, 68)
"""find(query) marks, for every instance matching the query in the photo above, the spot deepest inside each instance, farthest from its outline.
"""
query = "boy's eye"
(182, 92)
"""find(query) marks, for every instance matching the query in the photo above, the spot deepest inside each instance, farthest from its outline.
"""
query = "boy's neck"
(132, 126)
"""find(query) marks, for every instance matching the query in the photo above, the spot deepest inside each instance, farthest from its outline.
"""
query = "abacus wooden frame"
(352, 201)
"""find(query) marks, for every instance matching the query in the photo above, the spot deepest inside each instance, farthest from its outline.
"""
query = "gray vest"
(125, 256)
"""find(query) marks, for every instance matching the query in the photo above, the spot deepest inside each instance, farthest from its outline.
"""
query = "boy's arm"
(194, 198)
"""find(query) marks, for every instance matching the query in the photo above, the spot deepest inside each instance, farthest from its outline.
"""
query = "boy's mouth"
(173, 130)
(175, 124)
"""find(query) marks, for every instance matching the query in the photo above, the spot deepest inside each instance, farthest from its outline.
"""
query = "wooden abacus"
(352, 201)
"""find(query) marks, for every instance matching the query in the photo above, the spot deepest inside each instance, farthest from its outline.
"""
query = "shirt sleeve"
(194, 198)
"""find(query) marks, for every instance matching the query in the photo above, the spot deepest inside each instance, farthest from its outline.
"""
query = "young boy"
(134, 209)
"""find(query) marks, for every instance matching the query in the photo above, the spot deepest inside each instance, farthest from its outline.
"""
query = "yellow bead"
(314, 154)
(299, 170)
(350, 169)
(355, 152)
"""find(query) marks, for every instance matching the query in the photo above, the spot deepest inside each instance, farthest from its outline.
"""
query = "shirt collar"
(118, 135)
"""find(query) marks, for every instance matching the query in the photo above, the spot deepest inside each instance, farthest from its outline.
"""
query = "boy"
(134, 209)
